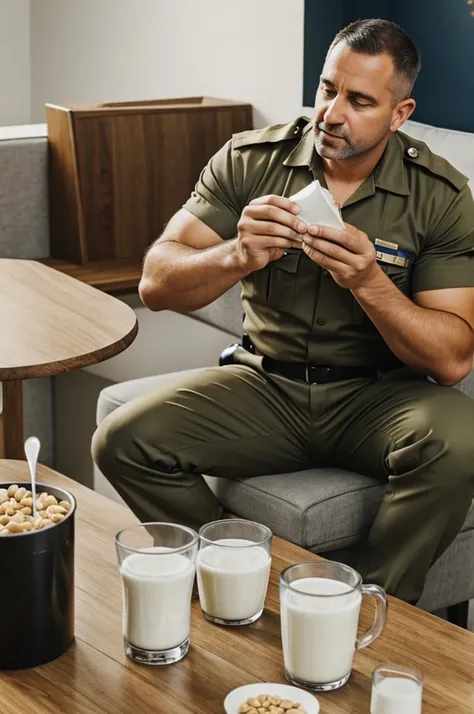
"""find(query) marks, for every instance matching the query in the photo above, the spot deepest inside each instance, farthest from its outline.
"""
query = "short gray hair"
(377, 37)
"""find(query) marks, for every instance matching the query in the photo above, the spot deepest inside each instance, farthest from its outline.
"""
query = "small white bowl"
(240, 695)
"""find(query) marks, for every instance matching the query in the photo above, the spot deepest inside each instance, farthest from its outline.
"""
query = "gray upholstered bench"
(326, 511)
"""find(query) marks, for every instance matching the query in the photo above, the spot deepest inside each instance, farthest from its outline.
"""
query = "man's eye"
(329, 92)
(360, 105)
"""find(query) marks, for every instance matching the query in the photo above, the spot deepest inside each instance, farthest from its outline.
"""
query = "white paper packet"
(318, 206)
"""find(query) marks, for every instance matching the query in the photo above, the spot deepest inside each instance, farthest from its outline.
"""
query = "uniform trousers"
(240, 421)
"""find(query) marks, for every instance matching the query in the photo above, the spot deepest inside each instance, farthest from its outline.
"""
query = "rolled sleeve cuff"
(220, 221)
(441, 280)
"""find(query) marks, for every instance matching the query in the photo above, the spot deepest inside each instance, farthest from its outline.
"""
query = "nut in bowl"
(16, 510)
(273, 698)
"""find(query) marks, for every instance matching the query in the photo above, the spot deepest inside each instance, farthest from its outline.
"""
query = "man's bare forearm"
(433, 342)
(178, 277)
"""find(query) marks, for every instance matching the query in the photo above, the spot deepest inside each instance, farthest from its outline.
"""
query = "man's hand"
(348, 255)
(267, 227)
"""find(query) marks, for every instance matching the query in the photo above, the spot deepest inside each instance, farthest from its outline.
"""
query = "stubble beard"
(328, 152)
(347, 150)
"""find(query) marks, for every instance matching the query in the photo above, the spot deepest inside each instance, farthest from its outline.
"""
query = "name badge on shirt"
(387, 252)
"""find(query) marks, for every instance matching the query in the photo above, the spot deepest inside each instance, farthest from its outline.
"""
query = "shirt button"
(412, 152)
(321, 320)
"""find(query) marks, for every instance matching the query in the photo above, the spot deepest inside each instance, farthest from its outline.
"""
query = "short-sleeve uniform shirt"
(294, 310)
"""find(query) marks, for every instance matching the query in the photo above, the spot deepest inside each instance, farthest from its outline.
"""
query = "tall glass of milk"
(320, 604)
(396, 690)
(157, 563)
(233, 568)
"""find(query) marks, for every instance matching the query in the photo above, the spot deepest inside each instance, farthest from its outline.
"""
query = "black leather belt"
(311, 373)
(316, 374)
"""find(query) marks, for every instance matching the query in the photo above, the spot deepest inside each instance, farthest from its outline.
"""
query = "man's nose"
(334, 113)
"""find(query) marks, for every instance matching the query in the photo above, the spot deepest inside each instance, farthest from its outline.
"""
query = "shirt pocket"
(282, 280)
(275, 284)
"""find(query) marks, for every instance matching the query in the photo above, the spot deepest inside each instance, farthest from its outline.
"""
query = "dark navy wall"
(443, 31)
(322, 19)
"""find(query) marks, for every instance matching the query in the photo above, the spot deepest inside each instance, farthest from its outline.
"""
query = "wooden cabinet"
(118, 172)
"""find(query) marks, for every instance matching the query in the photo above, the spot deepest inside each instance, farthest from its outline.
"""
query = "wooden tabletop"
(94, 676)
(51, 323)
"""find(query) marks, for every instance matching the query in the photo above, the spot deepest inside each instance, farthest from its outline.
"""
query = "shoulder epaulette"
(271, 134)
(418, 153)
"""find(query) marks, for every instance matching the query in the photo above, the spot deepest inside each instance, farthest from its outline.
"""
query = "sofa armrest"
(466, 385)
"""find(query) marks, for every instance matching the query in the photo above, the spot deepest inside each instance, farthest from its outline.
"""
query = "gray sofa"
(328, 511)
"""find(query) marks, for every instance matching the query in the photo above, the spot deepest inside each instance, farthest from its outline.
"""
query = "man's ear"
(401, 113)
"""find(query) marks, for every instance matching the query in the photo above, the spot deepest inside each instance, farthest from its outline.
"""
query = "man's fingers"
(329, 264)
(264, 228)
(262, 242)
(280, 201)
(270, 228)
(331, 250)
(266, 212)
(348, 239)
(352, 229)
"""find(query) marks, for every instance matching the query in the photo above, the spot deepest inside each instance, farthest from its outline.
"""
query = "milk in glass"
(319, 633)
(157, 596)
(233, 580)
(396, 695)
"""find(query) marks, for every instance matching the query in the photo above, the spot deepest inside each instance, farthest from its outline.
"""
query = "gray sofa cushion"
(467, 385)
(24, 222)
(226, 312)
(319, 509)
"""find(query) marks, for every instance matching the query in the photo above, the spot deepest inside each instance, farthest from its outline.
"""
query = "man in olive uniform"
(353, 337)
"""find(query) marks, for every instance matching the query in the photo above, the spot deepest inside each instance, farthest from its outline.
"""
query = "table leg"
(11, 420)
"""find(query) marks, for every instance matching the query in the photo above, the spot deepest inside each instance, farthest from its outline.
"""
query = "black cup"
(37, 589)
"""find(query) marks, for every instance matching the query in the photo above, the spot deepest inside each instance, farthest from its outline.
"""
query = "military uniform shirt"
(294, 310)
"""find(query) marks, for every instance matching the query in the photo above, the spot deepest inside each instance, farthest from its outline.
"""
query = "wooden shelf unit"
(119, 171)
(114, 276)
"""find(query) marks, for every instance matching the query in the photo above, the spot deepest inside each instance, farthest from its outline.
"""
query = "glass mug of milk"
(320, 604)
(396, 690)
(233, 567)
(157, 564)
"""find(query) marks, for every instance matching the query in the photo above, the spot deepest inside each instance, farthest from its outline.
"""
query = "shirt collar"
(303, 153)
(390, 173)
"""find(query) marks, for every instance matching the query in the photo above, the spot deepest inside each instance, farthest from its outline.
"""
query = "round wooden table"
(51, 323)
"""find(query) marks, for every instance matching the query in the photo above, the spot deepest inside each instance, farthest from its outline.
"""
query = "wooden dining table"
(51, 323)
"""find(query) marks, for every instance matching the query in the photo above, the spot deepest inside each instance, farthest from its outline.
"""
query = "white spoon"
(32, 448)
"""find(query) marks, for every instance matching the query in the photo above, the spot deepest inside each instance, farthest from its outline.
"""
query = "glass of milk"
(233, 567)
(157, 564)
(320, 604)
(396, 690)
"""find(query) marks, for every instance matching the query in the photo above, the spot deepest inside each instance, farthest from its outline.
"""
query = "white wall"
(15, 96)
(106, 50)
